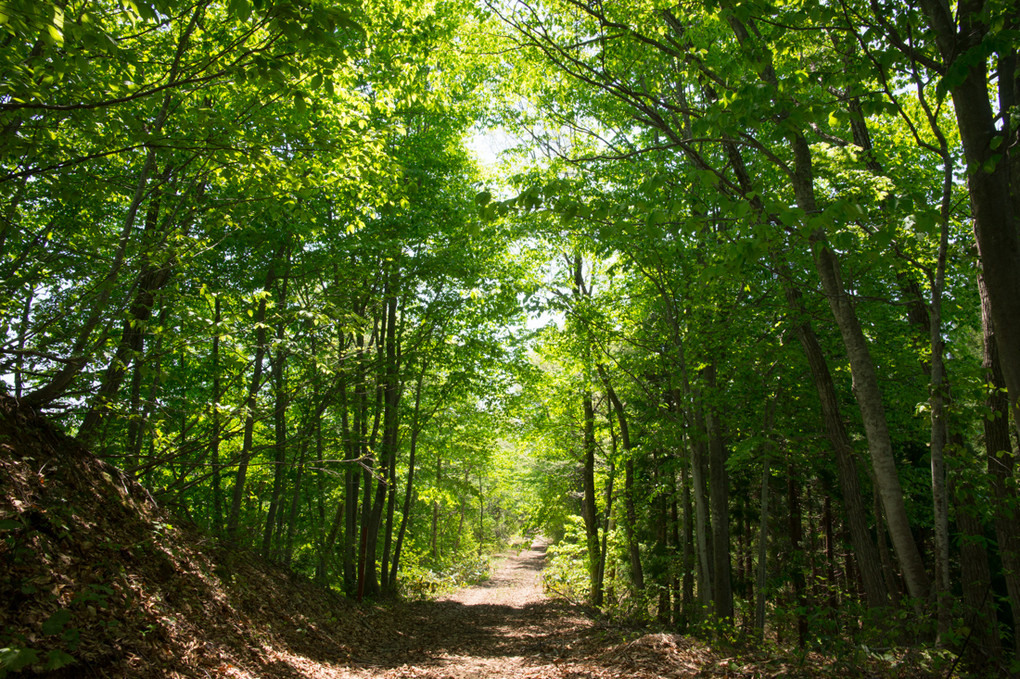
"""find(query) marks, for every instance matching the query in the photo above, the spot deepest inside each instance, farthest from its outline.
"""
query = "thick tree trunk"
(719, 493)
(988, 176)
(1001, 465)
(978, 597)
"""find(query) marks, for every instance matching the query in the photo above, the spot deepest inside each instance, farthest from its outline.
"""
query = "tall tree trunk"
(19, 364)
(763, 522)
(976, 580)
(589, 510)
(699, 474)
(722, 592)
(865, 386)
(150, 280)
(391, 424)
(1001, 465)
(79, 354)
(865, 379)
(688, 554)
(796, 535)
(251, 401)
(633, 549)
(435, 510)
(279, 416)
(295, 505)
(763, 532)
(409, 492)
(992, 194)
(214, 443)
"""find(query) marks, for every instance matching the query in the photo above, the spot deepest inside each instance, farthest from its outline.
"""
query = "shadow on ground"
(428, 633)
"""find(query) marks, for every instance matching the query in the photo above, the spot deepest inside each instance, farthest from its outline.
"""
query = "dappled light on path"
(506, 627)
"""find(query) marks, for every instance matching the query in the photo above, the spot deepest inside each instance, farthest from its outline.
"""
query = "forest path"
(504, 627)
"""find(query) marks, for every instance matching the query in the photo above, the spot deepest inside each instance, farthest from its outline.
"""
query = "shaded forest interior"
(734, 318)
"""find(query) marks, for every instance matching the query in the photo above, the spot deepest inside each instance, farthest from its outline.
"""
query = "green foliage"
(565, 574)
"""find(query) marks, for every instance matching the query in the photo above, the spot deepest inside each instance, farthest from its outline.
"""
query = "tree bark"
(279, 417)
(251, 401)
(1001, 464)
(633, 549)
(988, 175)
(719, 493)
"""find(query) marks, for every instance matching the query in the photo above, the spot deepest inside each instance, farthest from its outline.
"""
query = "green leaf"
(14, 659)
(989, 165)
(56, 659)
(56, 622)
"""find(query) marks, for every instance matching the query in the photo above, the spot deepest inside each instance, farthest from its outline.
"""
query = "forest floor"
(97, 580)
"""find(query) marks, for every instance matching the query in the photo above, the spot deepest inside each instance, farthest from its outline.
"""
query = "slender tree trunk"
(409, 493)
(279, 418)
(633, 549)
(295, 506)
(608, 518)
(796, 535)
(689, 554)
(699, 465)
(150, 280)
(865, 387)
(589, 511)
(214, 443)
(865, 380)
(19, 364)
(391, 423)
(79, 354)
(679, 560)
(763, 532)
(251, 402)
(435, 510)
(763, 522)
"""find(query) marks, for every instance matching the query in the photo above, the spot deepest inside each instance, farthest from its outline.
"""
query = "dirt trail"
(504, 627)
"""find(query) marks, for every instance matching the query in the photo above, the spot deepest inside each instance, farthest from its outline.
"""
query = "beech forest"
(719, 299)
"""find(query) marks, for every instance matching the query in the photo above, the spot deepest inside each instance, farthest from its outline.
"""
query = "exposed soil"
(506, 627)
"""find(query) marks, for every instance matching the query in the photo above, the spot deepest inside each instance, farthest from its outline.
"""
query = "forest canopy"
(736, 320)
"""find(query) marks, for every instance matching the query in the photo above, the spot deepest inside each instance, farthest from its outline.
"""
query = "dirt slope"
(96, 580)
